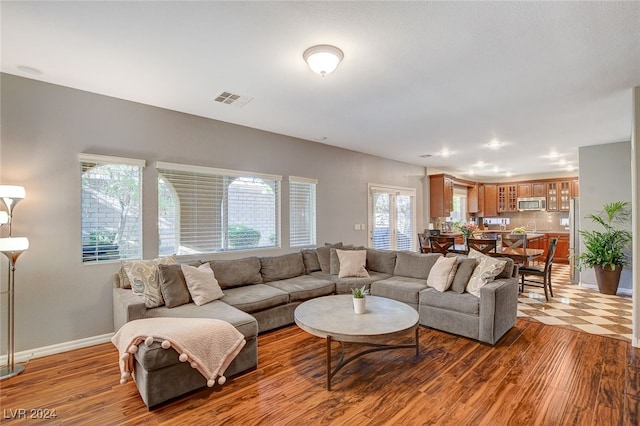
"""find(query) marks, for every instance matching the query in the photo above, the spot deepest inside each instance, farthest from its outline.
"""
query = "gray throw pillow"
(508, 268)
(173, 286)
(381, 260)
(311, 262)
(464, 272)
(415, 265)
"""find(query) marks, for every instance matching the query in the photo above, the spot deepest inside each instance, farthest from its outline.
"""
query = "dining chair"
(423, 239)
(545, 273)
(483, 245)
(514, 240)
(441, 244)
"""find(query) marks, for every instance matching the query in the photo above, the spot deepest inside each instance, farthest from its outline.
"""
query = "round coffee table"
(333, 318)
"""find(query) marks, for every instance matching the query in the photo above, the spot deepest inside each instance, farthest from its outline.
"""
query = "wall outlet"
(363, 226)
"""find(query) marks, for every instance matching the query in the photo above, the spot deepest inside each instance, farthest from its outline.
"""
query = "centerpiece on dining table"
(467, 229)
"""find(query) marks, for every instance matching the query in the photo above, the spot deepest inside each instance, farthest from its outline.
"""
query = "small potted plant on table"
(359, 299)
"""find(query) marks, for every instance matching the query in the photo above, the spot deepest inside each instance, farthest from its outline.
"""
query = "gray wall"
(45, 127)
(605, 176)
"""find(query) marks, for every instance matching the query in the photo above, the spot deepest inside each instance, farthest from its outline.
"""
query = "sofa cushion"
(465, 303)
(311, 262)
(381, 260)
(487, 268)
(344, 285)
(442, 273)
(234, 273)
(403, 289)
(173, 285)
(352, 263)
(242, 321)
(463, 273)
(281, 267)
(202, 284)
(304, 287)
(255, 298)
(414, 265)
(143, 275)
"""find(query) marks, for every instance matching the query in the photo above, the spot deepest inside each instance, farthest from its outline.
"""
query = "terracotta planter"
(608, 279)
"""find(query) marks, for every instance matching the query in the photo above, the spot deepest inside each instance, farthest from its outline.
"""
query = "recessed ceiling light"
(471, 172)
(507, 174)
(495, 144)
(29, 70)
(553, 154)
(445, 153)
(496, 169)
(562, 162)
(480, 164)
(570, 168)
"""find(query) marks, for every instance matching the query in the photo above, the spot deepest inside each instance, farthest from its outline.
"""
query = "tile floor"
(577, 307)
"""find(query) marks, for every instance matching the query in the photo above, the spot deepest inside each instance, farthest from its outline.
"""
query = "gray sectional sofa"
(261, 294)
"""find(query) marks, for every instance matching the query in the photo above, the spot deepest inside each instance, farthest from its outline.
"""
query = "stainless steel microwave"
(532, 203)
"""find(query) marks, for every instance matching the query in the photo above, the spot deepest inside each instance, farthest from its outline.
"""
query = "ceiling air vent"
(232, 99)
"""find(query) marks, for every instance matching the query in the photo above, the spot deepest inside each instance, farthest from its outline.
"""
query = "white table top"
(384, 319)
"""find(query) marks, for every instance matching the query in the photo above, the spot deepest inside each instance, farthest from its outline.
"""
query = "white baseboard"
(25, 356)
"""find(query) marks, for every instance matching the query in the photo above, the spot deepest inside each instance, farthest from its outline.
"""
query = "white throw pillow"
(352, 263)
(487, 268)
(143, 275)
(442, 273)
(202, 283)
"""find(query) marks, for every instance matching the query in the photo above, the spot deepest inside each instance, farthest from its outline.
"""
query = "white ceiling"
(417, 77)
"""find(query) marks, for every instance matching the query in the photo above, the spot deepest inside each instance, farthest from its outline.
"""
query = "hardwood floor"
(536, 374)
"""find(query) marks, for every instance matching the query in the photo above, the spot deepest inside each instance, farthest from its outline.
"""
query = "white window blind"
(302, 211)
(111, 217)
(205, 210)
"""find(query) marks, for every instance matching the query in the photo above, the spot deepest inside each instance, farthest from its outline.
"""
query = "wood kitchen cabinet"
(552, 196)
(564, 191)
(575, 188)
(473, 205)
(507, 198)
(524, 190)
(538, 189)
(440, 195)
(490, 204)
(562, 248)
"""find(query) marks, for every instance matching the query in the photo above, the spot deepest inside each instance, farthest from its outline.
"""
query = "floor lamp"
(12, 247)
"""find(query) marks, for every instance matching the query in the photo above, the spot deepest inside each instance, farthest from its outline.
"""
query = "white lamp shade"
(4, 217)
(12, 191)
(323, 59)
(14, 244)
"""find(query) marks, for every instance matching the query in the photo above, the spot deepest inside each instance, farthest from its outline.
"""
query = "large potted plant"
(606, 251)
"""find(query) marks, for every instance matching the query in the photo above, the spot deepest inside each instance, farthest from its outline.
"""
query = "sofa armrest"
(126, 307)
(498, 309)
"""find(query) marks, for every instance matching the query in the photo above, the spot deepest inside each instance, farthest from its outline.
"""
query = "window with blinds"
(206, 210)
(302, 211)
(111, 217)
(392, 218)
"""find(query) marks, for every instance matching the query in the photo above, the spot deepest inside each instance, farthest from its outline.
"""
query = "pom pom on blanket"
(209, 345)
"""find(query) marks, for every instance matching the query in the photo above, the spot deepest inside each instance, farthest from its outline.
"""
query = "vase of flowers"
(467, 229)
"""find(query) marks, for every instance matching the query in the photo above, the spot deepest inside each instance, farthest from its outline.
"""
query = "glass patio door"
(391, 218)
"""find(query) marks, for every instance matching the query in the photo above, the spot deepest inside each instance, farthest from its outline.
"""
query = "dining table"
(518, 254)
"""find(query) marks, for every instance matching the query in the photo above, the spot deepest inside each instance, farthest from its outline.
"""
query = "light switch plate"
(356, 227)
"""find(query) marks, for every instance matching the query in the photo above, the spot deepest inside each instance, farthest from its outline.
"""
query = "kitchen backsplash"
(542, 221)
(539, 220)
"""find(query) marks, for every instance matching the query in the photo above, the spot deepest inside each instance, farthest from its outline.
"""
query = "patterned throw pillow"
(143, 275)
(486, 270)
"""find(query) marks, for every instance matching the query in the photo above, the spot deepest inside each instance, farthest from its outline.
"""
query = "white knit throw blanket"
(209, 345)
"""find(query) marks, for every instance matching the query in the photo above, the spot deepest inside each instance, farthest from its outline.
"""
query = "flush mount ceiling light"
(323, 59)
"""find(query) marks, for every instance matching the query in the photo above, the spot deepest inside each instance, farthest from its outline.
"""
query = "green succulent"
(359, 293)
